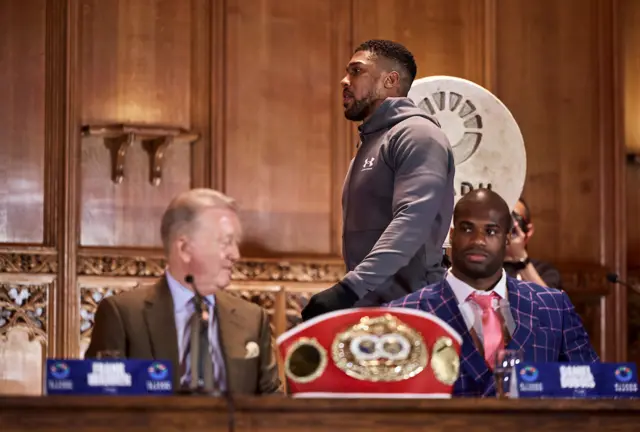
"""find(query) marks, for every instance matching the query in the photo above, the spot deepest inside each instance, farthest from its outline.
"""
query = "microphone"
(615, 278)
(204, 320)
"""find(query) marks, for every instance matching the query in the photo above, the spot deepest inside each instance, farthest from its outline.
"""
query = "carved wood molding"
(290, 271)
(138, 266)
(25, 305)
(150, 263)
(329, 271)
(28, 262)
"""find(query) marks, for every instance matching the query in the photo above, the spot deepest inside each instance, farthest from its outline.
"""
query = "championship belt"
(488, 147)
(371, 352)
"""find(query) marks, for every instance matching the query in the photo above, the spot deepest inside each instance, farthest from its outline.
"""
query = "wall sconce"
(155, 140)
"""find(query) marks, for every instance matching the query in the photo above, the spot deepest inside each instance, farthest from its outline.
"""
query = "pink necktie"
(491, 326)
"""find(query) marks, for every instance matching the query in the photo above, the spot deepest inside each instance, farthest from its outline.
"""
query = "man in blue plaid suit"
(540, 322)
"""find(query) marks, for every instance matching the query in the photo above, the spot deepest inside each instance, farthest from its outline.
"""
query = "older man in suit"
(491, 310)
(186, 317)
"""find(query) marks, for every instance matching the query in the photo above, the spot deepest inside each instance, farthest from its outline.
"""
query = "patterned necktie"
(491, 326)
(199, 353)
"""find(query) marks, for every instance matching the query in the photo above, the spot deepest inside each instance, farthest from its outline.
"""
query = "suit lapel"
(521, 307)
(230, 333)
(161, 326)
(443, 304)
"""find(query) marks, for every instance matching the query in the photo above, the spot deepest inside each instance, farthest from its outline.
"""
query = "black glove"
(335, 298)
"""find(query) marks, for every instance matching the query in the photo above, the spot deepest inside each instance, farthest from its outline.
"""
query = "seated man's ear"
(183, 248)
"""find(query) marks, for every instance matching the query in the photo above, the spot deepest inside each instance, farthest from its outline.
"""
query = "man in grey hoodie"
(397, 199)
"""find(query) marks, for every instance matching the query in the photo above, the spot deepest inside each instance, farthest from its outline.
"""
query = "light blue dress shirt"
(183, 308)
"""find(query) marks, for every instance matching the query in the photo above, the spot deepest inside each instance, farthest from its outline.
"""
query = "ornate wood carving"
(25, 262)
(26, 330)
(139, 266)
(265, 299)
(329, 272)
(24, 305)
(247, 270)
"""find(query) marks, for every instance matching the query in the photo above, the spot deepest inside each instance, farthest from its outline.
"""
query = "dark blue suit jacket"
(548, 329)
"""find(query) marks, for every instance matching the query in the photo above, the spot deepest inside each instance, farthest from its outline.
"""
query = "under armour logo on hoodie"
(368, 164)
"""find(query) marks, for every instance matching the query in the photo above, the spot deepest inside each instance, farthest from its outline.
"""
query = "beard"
(477, 270)
(359, 109)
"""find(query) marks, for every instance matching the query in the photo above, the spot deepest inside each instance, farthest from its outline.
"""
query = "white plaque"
(488, 146)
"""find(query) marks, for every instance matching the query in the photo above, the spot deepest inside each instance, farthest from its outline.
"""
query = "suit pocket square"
(251, 350)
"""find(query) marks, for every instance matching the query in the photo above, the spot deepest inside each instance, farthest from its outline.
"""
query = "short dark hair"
(485, 196)
(527, 211)
(398, 54)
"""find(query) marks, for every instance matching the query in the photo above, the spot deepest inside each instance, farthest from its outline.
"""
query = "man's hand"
(516, 249)
(335, 298)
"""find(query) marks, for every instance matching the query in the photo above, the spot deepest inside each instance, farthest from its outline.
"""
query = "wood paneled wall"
(257, 81)
(631, 69)
(22, 80)
(630, 35)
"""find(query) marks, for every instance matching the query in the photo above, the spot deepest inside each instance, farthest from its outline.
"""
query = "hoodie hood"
(391, 112)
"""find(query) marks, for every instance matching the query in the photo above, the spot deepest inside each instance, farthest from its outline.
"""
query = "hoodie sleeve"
(422, 161)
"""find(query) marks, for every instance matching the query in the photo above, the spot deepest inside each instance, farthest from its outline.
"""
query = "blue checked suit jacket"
(548, 329)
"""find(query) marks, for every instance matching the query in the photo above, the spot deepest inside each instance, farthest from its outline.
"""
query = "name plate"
(108, 377)
(571, 380)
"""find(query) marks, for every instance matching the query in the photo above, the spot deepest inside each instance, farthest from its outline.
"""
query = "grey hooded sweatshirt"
(397, 204)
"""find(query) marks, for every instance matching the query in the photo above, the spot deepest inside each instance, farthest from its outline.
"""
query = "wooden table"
(194, 413)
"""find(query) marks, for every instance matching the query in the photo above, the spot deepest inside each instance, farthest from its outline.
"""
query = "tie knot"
(485, 301)
(199, 301)
(201, 306)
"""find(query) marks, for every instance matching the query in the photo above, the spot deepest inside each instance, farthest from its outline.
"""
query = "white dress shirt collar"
(471, 313)
(462, 290)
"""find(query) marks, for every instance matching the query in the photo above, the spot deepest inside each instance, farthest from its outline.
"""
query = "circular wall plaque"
(487, 144)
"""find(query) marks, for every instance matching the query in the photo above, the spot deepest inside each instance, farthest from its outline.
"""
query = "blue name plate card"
(108, 377)
(571, 380)
(617, 380)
